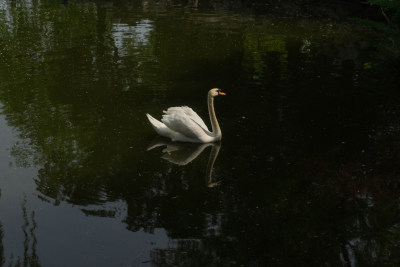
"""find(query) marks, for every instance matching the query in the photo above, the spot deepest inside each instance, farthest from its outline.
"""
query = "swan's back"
(186, 111)
(186, 122)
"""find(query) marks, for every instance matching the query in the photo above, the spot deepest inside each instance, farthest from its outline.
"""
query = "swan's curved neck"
(213, 119)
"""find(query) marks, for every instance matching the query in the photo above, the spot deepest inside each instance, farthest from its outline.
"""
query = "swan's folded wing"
(180, 122)
(190, 113)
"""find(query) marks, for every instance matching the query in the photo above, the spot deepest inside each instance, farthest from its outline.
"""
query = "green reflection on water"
(77, 79)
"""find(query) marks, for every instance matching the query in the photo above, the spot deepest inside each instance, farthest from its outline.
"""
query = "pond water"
(307, 172)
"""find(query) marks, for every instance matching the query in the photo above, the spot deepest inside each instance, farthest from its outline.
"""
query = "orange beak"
(221, 93)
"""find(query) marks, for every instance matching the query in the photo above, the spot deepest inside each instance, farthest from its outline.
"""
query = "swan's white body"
(184, 125)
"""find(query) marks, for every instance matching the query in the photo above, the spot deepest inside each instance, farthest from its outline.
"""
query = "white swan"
(184, 125)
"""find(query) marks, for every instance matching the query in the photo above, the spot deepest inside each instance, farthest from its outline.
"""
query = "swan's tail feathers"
(164, 131)
(158, 126)
(155, 123)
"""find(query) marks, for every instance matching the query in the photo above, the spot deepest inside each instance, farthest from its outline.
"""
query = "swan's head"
(215, 92)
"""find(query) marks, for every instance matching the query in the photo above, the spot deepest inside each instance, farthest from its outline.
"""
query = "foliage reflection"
(309, 174)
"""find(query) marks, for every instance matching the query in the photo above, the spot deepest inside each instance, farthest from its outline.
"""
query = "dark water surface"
(307, 173)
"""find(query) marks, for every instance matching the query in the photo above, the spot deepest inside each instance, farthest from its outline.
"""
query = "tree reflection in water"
(30, 257)
(309, 170)
(1, 242)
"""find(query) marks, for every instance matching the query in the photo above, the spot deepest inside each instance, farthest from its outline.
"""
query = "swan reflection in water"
(184, 153)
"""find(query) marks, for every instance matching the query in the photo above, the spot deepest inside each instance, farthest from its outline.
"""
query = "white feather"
(188, 112)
